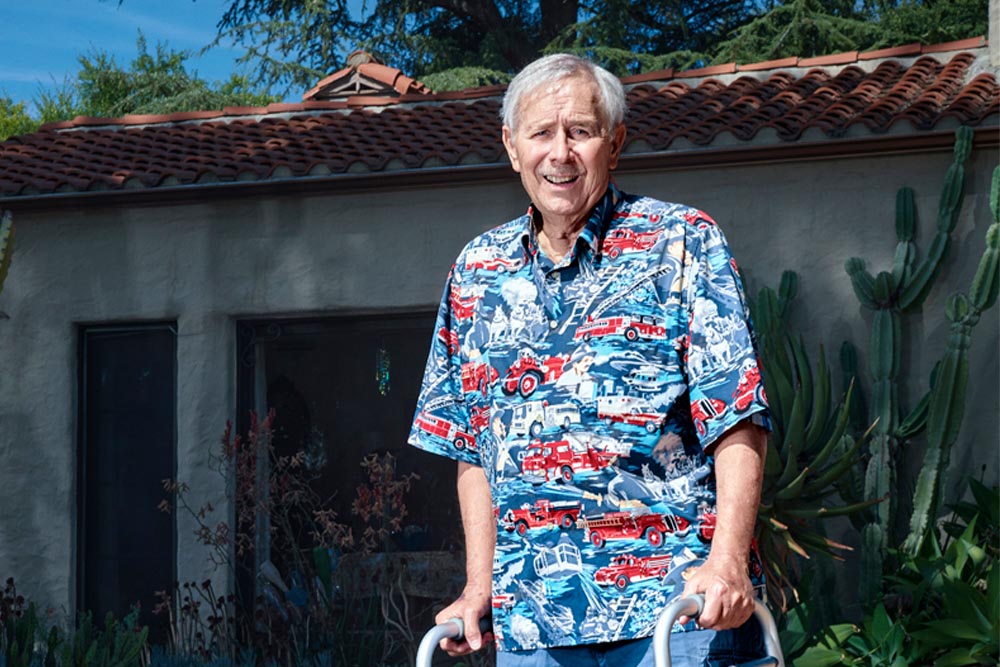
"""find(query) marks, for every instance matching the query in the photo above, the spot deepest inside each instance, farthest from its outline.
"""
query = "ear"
(617, 142)
(508, 143)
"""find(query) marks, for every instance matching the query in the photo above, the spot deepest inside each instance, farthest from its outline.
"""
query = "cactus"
(891, 295)
(6, 244)
(809, 450)
(946, 404)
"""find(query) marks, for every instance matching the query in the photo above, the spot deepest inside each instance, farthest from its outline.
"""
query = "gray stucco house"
(173, 272)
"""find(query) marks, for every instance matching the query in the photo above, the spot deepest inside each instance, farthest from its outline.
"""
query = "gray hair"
(550, 69)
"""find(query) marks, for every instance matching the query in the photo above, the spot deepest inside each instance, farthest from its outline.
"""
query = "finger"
(472, 634)
(454, 648)
(712, 610)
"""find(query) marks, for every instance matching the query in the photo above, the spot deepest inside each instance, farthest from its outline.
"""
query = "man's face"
(562, 149)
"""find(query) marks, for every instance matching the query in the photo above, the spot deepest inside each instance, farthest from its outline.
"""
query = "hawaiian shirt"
(589, 391)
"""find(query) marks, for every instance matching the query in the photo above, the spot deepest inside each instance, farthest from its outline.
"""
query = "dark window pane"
(344, 388)
(127, 403)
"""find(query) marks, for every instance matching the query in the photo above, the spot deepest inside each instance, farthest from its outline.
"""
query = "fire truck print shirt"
(589, 390)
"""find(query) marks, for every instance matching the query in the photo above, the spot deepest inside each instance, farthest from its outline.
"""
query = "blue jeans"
(695, 648)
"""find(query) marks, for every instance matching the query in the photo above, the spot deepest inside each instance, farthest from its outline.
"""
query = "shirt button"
(553, 324)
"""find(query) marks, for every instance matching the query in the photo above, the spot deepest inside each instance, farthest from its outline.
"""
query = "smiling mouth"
(556, 179)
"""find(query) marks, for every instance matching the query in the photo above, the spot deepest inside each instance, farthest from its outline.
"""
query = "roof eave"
(666, 160)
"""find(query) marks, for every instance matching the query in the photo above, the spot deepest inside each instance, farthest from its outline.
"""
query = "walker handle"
(692, 606)
(453, 628)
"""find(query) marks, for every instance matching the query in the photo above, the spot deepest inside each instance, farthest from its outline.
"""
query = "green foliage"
(809, 449)
(798, 28)
(24, 641)
(14, 118)
(155, 82)
(461, 78)
(942, 605)
(292, 43)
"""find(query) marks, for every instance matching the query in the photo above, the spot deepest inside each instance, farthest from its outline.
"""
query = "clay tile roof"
(383, 122)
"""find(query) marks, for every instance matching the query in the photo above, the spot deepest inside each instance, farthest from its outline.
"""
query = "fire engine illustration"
(478, 376)
(630, 410)
(628, 526)
(489, 258)
(626, 568)
(450, 338)
(704, 409)
(624, 240)
(633, 328)
(442, 428)
(558, 460)
(543, 514)
(534, 416)
(529, 371)
(749, 390)
(479, 418)
(463, 306)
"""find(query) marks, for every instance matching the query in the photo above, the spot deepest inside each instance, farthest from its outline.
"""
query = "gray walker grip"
(453, 628)
(691, 606)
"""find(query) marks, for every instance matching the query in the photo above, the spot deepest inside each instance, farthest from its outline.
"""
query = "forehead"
(574, 95)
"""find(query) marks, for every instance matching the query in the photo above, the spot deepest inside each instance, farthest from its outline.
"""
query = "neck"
(557, 240)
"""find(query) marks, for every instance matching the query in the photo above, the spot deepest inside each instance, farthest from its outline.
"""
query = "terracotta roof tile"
(779, 101)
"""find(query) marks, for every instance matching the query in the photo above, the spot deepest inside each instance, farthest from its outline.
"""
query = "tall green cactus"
(6, 244)
(947, 395)
(891, 295)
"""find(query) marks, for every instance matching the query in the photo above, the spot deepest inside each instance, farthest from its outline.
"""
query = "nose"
(560, 149)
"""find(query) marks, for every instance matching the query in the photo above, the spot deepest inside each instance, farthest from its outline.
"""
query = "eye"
(581, 132)
(539, 134)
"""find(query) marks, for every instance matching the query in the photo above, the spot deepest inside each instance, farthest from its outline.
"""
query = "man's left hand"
(729, 599)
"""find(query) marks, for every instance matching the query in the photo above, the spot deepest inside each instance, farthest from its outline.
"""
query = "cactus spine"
(891, 294)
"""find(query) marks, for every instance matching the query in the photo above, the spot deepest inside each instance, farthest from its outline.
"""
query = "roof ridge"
(416, 92)
(843, 58)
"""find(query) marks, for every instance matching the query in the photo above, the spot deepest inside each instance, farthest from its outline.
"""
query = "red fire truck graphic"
(629, 526)
(633, 328)
(623, 240)
(543, 514)
(557, 460)
(478, 376)
(748, 389)
(704, 409)
(462, 306)
(490, 259)
(445, 429)
(627, 568)
(450, 339)
(630, 410)
(529, 371)
(479, 418)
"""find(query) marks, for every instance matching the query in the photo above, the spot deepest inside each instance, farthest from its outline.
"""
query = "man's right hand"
(470, 607)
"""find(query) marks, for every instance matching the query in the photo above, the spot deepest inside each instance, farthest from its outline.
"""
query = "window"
(343, 388)
(127, 404)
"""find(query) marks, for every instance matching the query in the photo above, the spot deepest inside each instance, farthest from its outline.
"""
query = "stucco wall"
(205, 264)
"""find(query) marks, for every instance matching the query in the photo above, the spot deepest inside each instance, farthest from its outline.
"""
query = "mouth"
(561, 179)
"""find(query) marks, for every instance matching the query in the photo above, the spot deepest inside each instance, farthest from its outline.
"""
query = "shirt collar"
(592, 232)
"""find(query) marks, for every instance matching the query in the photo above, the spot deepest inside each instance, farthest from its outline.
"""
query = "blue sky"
(40, 40)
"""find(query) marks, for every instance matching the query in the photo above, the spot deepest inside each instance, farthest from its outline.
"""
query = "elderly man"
(585, 513)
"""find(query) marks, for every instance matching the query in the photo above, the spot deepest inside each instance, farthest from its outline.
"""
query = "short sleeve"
(442, 423)
(723, 367)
